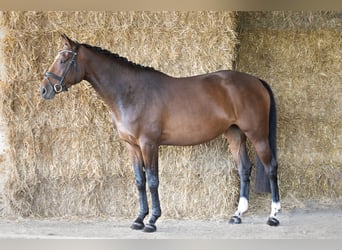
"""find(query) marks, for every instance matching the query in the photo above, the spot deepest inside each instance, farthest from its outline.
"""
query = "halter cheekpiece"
(60, 86)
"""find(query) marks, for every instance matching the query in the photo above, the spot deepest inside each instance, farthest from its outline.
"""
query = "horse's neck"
(110, 79)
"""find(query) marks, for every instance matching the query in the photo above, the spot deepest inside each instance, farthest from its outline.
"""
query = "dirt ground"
(295, 224)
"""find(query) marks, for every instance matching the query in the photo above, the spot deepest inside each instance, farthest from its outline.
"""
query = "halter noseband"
(60, 86)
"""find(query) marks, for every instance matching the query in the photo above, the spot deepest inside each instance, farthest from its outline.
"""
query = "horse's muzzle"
(47, 92)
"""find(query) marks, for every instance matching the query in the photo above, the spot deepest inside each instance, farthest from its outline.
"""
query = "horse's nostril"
(47, 92)
(43, 91)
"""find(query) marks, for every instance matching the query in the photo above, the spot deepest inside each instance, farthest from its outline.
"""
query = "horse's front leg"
(140, 180)
(150, 156)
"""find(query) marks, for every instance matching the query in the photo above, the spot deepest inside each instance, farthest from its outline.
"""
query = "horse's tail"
(262, 184)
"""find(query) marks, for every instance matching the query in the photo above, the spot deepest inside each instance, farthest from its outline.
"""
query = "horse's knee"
(153, 182)
(140, 178)
(152, 179)
(140, 185)
(140, 182)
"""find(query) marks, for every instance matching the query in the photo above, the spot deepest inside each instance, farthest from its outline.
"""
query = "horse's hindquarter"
(195, 109)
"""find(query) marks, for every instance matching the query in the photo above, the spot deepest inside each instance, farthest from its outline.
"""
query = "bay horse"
(150, 108)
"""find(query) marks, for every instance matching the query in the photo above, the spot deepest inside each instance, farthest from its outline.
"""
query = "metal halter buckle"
(60, 86)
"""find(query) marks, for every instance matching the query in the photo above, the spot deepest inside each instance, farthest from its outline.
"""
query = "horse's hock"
(64, 157)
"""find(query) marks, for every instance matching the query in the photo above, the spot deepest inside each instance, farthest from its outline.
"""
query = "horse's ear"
(66, 41)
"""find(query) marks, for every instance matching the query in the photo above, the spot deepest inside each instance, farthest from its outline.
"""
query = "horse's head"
(64, 72)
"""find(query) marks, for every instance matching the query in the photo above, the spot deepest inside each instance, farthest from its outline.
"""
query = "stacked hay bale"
(3, 141)
(65, 157)
(300, 55)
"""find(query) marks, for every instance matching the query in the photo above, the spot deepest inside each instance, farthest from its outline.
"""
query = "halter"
(60, 86)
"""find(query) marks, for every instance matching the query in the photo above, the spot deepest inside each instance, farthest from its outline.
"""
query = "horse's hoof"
(138, 225)
(235, 220)
(150, 228)
(273, 222)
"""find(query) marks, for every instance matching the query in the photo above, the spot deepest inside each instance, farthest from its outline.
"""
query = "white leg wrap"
(242, 207)
(275, 208)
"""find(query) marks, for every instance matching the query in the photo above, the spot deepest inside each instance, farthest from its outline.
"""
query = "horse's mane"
(117, 57)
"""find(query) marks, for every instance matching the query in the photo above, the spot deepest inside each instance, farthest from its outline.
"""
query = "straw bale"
(66, 158)
(290, 20)
(300, 56)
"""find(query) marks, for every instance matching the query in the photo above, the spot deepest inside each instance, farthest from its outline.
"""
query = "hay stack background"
(65, 156)
(300, 55)
(66, 159)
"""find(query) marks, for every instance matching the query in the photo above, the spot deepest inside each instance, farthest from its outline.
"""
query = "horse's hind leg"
(263, 151)
(237, 145)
